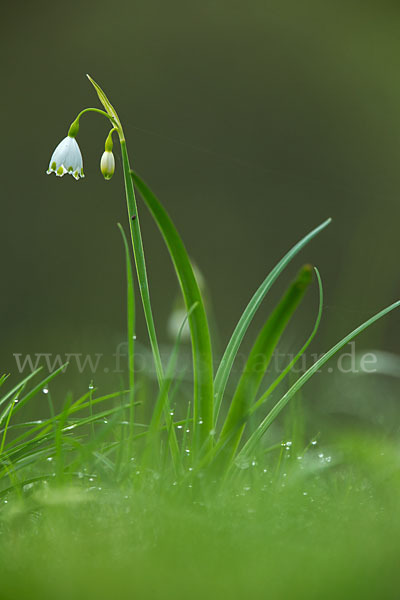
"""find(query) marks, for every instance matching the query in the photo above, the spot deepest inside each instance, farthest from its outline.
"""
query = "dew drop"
(45, 390)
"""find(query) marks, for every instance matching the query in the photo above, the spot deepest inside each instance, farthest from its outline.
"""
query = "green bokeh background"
(253, 122)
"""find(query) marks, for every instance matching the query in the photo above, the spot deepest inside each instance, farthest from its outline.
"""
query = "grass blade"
(262, 428)
(228, 358)
(258, 361)
(130, 314)
(19, 385)
(300, 353)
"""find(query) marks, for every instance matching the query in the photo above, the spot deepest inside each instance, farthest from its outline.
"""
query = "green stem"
(97, 110)
(140, 260)
(137, 249)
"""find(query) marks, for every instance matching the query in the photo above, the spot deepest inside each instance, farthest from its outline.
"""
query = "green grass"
(195, 499)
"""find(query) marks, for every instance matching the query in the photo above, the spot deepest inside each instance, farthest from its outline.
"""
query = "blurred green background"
(253, 122)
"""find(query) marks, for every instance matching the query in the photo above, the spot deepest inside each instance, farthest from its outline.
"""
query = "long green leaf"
(130, 317)
(19, 385)
(232, 348)
(300, 353)
(252, 442)
(39, 387)
(162, 406)
(219, 447)
(259, 359)
(200, 335)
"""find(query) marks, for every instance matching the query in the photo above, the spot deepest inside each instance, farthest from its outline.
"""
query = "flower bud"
(107, 164)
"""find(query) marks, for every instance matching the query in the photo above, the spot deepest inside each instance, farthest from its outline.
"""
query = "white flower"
(67, 158)
(107, 164)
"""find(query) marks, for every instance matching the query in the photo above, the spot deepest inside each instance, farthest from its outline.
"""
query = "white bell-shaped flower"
(67, 158)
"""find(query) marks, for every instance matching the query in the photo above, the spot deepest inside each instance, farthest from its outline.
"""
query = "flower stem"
(140, 260)
(98, 110)
(139, 257)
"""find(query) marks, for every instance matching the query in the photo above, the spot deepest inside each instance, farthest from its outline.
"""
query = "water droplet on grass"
(45, 390)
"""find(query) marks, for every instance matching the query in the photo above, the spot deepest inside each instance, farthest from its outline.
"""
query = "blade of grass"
(228, 358)
(39, 387)
(274, 412)
(199, 330)
(47, 424)
(161, 405)
(300, 353)
(19, 385)
(3, 378)
(258, 361)
(9, 412)
(130, 314)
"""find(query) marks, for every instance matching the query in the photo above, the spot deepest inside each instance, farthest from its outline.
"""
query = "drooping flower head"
(67, 157)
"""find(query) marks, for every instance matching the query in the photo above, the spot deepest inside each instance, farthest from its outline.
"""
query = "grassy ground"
(325, 525)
